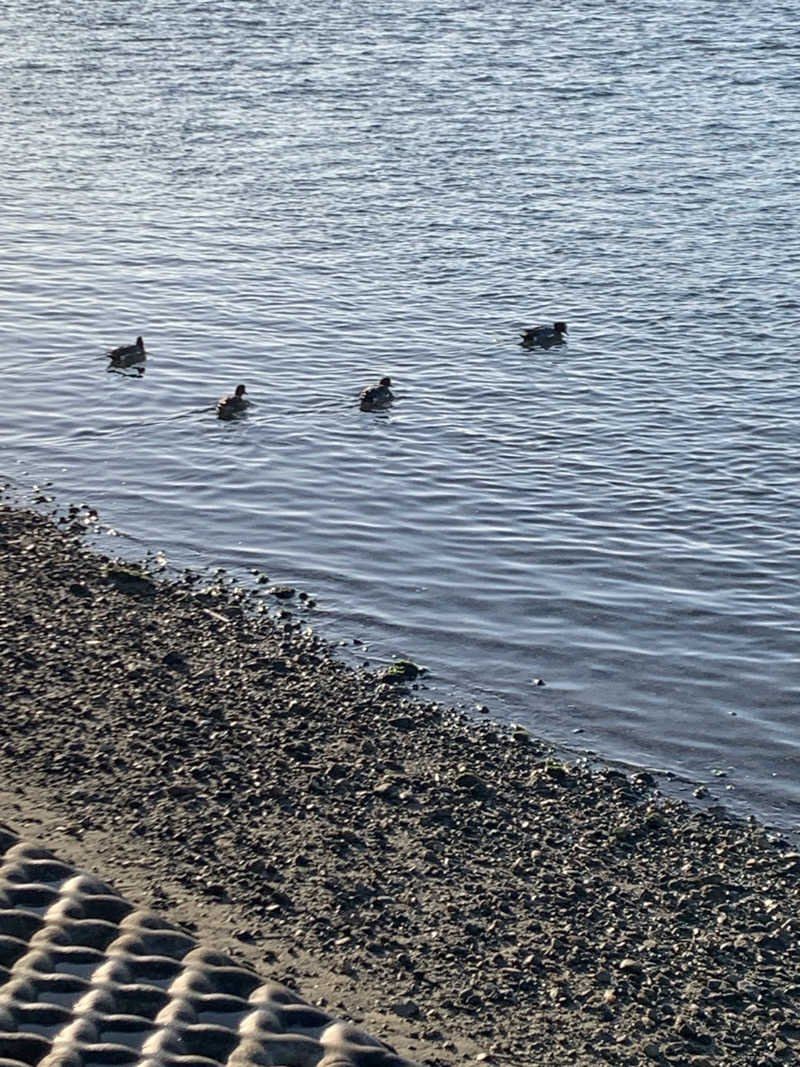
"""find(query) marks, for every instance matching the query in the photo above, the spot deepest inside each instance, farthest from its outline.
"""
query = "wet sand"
(446, 885)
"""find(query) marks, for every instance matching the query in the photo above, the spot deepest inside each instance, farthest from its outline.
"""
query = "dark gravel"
(496, 904)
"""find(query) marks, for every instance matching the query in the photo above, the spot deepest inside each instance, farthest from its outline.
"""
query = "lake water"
(306, 197)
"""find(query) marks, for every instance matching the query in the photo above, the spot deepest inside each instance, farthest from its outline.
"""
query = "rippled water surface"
(306, 197)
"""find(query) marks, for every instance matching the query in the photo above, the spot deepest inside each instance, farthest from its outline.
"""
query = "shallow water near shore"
(305, 201)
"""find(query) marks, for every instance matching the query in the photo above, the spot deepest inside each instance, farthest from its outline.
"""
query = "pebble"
(630, 966)
(406, 1009)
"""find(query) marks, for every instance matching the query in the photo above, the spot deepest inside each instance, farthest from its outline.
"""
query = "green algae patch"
(130, 579)
(402, 670)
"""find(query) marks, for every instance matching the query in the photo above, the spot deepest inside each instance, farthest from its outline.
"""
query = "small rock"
(631, 966)
(282, 592)
(644, 780)
(218, 892)
(433, 1035)
(131, 580)
(181, 790)
(406, 1009)
(388, 788)
(402, 670)
(174, 660)
(402, 723)
(474, 785)
(557, 772)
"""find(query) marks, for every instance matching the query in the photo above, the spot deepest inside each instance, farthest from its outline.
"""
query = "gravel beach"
(445, 884)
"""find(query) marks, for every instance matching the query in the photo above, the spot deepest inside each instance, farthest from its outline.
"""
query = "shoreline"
(444, 883)
(710, 790)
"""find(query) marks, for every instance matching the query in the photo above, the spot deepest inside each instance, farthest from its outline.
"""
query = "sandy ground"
(443, 884)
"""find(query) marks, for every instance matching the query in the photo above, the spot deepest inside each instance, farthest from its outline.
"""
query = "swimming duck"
(376, 396)
(544, 336)
(234, 404)
(127, 354)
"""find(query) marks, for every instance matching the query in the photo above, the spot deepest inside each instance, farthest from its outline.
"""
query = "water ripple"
(305, 199)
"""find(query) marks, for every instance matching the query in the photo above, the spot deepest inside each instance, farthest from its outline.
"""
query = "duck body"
(376, 396)
(233, 404)
(125, 355)
(544, 336)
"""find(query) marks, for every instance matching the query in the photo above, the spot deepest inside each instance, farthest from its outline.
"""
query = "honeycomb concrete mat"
(86, 978)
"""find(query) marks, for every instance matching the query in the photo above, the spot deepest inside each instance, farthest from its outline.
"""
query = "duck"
(233, 404)
(544, 336)
(376, 396)
(125, 355)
